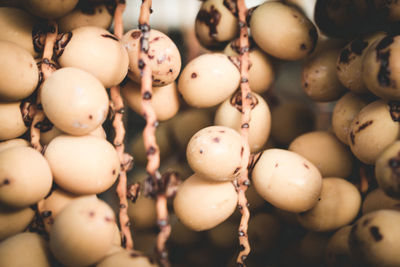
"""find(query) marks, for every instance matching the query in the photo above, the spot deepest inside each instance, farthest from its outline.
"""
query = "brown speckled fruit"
(326, 152)
(380, 68)
(229, 114)
(49, 9)
(97, 51)
(387, 170)
(52, 205)
(208, 80)
(202, 213)
(86, 14)
(215, 152)
(378, 200)
(337, 206)
(126, 259)
(83, 232)
(346, 108)
(215, 24)
(373, 129)
(287, 180)
(25, 176)
(11, 122)
(25, 249)
(164, 99)
(83, 164)
(338, 250)
(74, 101)
(375, 238)
(261, 71)
(349, 62)
(283, 31)
(163, 57)
(19, 74)
(13, 221)
(17, 27)
(319, 79)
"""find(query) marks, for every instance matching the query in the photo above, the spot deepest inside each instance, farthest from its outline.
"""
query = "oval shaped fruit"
(96, 51)
(337, 206)
(346, 108)
(19, 74)
(216, 24)
(14, 221)
(208, 80)
(229, 114)
(83, 232)
(74, 101)
(373, 129)
(35, 251)
(49, 9)
(215, 152)
(201, 204)
(163, 57)
(12, 124)
(387, 170)
(143, 213)
(164, 99)
(290, 35)
(25, 177)
(83, 164)
(287, 180)
(374, 239)
(334, 160)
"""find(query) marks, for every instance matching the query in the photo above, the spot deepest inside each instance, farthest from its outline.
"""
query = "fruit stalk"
(150, 143)
(243, 182)
(46, 69)
(118, 124)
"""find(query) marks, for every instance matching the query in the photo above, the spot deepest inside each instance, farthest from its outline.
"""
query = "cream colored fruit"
(11, 122)
(229, 114)
(338, 205)
(326, 152)
(19, 74)
(83, 164)
(25, 249)
(83, 232)
(97, 51)
(25, 177)
(96, 15)
(283, 31)
(378, 200)
(198, 212)
(287, 180)
(74, 101)
(143, 213)
(372, 130)
(163, 57)
(53, 204)
(13, 221)
(13, 143)
(215, 153)
(208, 80)
(126, 259)
(17, 27)
(49, 9)
(164, 99)
(346, 108)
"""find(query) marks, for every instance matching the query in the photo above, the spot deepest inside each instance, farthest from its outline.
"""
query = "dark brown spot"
(113, 37)
(385, 42)
(46, 213)
(194, 75)
(141, 64)
(375, 233)
(305, 84)
(305, 165)
(211, 19)
(91, 213)
(147, 95)
(170, 70)
(394, 108)
(364, 125)
(90, 117)
(216, 139)
(6, 181)
(384, 70)
(150, 56)
(303, 47)
(231, 6)
(366, 222)
(151, 150)
(201, 151)
(352, 138)
(241, 151)
(241, 247)
(114, 172)
(237, 170)
(135, 34)
(276, 165)
(358, 46)
(345, 56)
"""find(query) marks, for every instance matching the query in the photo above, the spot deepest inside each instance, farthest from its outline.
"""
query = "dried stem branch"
(47, 68)
(152, 149)
(118, 124)
(243, 181)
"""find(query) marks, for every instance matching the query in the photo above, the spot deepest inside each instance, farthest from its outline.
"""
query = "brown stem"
(243, 181)
(118, 124)
(47, 68)
(152, 149)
